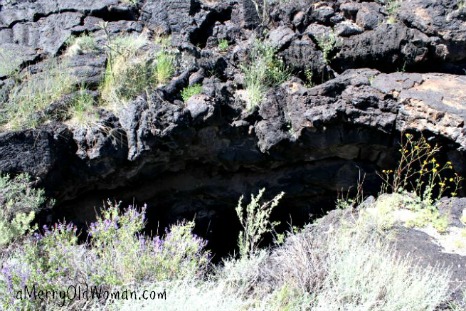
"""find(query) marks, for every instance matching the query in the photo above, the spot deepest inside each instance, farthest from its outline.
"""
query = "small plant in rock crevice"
(392, 7)
(327, 43)
(190, 91)
(263, 70)
(223, 45)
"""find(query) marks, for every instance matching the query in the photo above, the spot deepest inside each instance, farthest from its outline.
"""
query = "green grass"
(8, 62)
(263, 71)
(131, 70)
(223, 45)
(190, 91)
(33, 93)
(83, 110)
(164, 67)
(82, 44)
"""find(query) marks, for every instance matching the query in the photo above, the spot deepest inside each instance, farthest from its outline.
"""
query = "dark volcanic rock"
(183, 158)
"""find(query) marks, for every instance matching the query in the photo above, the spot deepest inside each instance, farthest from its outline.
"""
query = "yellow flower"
(451, 179)
(434, 170)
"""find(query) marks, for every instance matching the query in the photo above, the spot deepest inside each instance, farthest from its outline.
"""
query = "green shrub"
(19, 203)
(126, 256)
(255, 219)
(117, 254)
(264, 70)
(189, 91)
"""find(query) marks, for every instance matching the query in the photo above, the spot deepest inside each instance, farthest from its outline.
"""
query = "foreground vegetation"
(343, 262)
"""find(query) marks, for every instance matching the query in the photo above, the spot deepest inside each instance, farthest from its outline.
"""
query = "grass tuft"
(264, 70)
(190, 91)
(35, 92)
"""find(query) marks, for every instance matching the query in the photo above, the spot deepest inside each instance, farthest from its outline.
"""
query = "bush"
(255, 219)
(264, 70)
(116, 255)
(127, 256)
(19, 203)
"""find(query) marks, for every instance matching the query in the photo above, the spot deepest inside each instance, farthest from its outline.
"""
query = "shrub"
(127, 256)
(117, 254)
(19, 203)
(263, 70)
(189, 91)
(255, 219)
(34, 92)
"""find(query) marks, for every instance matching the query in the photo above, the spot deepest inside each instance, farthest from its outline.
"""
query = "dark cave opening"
(208, 192)
(209, 200)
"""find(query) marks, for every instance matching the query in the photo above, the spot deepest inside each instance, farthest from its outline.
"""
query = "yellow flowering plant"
(419, 170)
